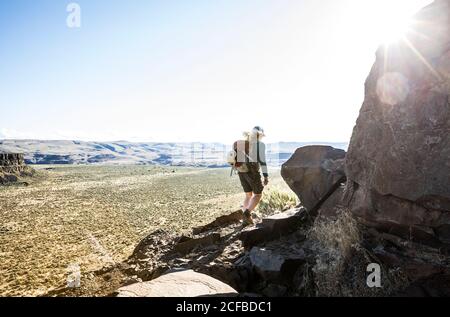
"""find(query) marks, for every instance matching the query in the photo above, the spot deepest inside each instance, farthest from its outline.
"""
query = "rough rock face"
(398, 164)
(185, 283)
(12, 166)
(8, 159)
(312, 171)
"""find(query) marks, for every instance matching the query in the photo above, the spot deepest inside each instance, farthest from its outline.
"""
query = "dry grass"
(341, 261)
(276, 199)
(339, 237)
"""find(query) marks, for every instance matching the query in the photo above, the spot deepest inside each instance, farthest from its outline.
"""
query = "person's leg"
(254, 201)
(246, 185)
(254, 179)
(246, 204)
(253, 188)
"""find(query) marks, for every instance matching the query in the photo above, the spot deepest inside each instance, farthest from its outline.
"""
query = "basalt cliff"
(13, 168)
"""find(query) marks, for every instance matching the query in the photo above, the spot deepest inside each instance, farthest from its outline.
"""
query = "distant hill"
(123, 152)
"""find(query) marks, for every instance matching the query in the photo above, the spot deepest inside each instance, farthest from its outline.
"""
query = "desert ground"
(92, 216)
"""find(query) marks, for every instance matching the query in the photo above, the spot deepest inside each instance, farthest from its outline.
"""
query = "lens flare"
(393, 88)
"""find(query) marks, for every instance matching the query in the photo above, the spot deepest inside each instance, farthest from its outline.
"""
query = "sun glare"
(385, 21)
(394, 21)
(393, 28)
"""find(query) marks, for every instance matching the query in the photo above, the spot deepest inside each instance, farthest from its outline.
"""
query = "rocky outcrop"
(222, 221)
(12, 167)
(189, 244)
(312, 172)
(301, 261)
(273, 227)
(9, 159)
(398, 162)
(267, 266)
(154, 267)
(186, 283)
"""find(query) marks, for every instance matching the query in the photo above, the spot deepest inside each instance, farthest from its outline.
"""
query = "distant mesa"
(13, 168)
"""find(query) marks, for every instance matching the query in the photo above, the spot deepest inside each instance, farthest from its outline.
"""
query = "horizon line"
(164, 142)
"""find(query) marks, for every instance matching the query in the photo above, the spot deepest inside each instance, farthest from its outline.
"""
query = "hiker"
(250, 161)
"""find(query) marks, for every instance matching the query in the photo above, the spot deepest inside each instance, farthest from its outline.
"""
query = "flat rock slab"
(281, 218)
(189, 245)
(223, 221)
(179, 284)
(272, 228)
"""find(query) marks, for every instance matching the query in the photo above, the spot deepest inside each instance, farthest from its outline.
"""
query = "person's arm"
(262, 159)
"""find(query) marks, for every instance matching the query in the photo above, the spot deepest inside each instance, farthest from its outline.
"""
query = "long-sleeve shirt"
(258, 154)
(262, 159)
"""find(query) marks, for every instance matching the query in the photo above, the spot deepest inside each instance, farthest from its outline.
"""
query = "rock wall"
(398, 163)
(12, 167)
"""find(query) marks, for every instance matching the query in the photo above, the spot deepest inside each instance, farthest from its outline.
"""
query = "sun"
(384, 21)
(393, 27)
(394, 19)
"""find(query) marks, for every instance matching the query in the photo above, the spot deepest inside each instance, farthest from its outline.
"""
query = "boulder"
(273, 227)
(333, 204)
(398, 162)
(178, 284)
(265, 260)
(312, 171)
(274, 267)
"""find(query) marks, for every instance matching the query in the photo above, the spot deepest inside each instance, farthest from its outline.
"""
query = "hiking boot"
(248, 220)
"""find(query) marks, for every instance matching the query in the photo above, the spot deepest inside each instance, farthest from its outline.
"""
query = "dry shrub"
(341, 261)
(339, 236)
(333, 242)
(276, 200)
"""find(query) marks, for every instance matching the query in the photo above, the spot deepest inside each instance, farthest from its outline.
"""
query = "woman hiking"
(251, 153)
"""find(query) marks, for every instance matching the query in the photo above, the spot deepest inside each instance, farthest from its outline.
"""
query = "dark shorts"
(251, 182)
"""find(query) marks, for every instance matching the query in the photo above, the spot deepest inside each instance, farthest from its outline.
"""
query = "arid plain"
(92, 216)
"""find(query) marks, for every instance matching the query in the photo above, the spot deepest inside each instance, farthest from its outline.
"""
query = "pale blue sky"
(191, 70)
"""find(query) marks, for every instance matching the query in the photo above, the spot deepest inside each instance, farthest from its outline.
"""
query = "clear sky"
(190, 70)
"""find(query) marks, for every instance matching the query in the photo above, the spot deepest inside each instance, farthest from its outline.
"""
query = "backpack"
(239, 156)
